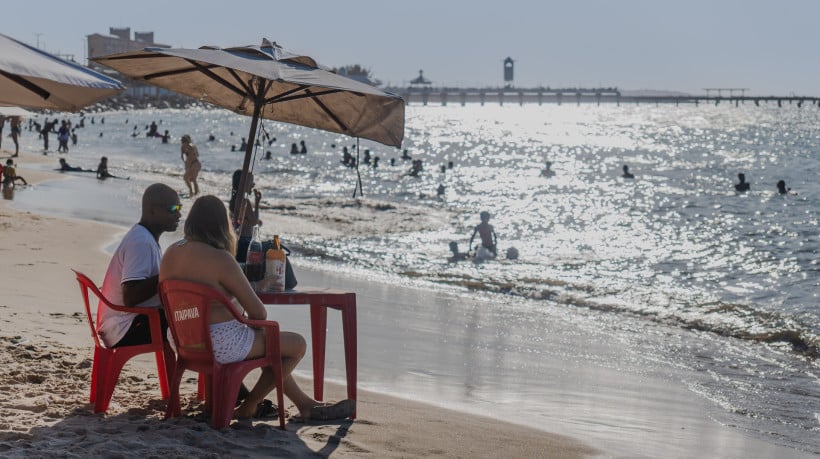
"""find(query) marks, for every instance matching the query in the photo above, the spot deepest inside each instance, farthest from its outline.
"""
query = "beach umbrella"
(32, 78)
(269, 82)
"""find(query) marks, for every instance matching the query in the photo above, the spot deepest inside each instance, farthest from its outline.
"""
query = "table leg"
(318, 335)
(349, 330)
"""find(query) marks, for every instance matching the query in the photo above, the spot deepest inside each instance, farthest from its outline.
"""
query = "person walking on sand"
(190, 156)
(63, 137)
(488, 238)
(206, 256)
(48, 126)
(743, 186)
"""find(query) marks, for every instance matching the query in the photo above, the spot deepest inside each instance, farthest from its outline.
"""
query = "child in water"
(488, 237)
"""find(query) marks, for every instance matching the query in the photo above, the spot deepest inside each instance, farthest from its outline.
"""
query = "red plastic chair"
(188, 310)
(108, 363)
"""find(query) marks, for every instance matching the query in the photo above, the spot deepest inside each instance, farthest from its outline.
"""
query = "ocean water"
(717, 289)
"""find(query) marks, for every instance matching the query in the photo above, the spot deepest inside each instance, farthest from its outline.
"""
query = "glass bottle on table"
(255, 261)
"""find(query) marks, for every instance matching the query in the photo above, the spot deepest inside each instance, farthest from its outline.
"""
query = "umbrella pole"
(358, 175)
(243, 180)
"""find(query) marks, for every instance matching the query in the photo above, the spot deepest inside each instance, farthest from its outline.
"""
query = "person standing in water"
(251, 215)
(15, 134)
(488, 236)
(190, 156)
(743, 186)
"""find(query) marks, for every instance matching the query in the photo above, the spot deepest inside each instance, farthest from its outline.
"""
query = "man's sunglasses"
(174, 208)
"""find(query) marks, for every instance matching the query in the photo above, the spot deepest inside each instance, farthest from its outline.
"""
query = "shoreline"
(47, 354)
(653, 420)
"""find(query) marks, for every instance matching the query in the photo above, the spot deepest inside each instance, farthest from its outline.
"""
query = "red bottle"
(255, 261)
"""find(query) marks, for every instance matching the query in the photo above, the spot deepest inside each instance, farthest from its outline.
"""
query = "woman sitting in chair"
(206, 255)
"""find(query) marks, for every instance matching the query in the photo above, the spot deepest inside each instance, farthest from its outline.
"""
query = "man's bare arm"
(135, 292)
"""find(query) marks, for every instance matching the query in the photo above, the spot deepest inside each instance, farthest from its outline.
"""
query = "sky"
(766, 46)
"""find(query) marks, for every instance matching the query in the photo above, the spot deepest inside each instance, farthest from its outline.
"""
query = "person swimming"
(781, 188)
(457, 256)
(512, 253)
(743, 186)
(547, 171)
(627, 174)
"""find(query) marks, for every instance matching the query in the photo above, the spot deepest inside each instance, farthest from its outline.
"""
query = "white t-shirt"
(137, 258)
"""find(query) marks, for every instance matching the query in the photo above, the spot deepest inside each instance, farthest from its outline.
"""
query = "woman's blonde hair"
(208, 222)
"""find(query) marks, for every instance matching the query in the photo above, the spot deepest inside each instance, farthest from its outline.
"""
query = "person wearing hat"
(190, 156)
(10, 175)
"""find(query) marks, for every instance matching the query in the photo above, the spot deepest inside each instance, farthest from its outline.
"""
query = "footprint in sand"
(35, 379)
(31, 408)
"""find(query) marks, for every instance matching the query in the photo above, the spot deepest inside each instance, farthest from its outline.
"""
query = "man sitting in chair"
(133, 273)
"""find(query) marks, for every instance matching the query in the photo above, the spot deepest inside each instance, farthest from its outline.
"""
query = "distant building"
(420, 79)
(119, 40)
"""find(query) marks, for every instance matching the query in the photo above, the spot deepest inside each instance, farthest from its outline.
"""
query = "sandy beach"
(46, 358)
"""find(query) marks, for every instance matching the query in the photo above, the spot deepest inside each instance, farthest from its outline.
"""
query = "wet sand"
(47, 350)
(46, 357)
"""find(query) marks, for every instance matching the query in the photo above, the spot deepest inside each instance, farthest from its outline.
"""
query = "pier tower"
(508, 72)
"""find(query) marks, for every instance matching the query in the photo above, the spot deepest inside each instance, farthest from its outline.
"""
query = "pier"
(427, 95)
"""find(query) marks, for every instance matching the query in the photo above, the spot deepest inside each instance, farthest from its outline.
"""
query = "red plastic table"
(320, 299)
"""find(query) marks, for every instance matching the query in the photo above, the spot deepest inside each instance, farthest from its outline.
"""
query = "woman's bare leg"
(293, 348)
